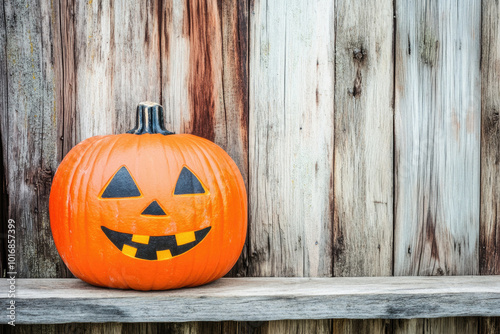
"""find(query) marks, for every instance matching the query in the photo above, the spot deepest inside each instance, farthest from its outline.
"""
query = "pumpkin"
(148, 209)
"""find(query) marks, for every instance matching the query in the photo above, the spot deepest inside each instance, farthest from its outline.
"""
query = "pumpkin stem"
(149, 119)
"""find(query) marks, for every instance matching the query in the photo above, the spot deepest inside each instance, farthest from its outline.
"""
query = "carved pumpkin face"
(148, 211)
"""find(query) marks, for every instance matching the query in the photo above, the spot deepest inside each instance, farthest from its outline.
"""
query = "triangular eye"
(188, 184)
(122, 185)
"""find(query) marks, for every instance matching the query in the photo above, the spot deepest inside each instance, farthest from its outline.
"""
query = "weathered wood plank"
(63, 39)
(489, 325)
(437, 131)
(204, 68)
(442, 325)
(489, 235)
(381, 326)
(291, 142)
(257, 299)
(490, 141)
(235, 35)
(294, 326)
(116, 62)
(437, 138)
(363, 182)
(79, 328)
(29, 130)
(363, 139)
(291, 138)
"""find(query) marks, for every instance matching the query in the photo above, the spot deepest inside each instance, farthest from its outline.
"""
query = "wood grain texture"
(117, 63)
(291, 138)
(63, 21)
(204, 70)
(437, 131)
(28, 130)
(363, 182)
(291, 142)
(381, 326)
(114, 328)
(490, 141)
(260, 299)
(70, 70)
(443, 325)
(437, 124)
(363, 139)
(489, 325)
(489, 235)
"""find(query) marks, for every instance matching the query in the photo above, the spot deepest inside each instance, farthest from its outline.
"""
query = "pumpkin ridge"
(70, 223)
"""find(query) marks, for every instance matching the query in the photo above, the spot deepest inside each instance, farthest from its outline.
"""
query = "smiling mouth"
(155, 248)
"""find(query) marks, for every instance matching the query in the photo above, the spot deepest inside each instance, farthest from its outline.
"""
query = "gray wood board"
(252, 299)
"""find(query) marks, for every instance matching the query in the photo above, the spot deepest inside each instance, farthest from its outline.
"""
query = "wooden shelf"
(40, 301)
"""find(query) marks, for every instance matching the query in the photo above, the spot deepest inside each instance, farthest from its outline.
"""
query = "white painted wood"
(252, 299)
(437, 124)
(291, 137)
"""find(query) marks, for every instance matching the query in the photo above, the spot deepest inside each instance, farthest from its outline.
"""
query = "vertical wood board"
(489, 235)
(363, 170)
(363, 183)
(291, 138)
(437, 132)
(28, 130)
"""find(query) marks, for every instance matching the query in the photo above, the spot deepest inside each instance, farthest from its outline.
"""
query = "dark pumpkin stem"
(149, 119)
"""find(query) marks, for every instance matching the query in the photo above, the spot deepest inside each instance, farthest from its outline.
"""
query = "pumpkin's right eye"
(188, 184)
(121, 185)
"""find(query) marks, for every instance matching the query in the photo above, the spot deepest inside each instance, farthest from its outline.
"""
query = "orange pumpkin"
(148, 210)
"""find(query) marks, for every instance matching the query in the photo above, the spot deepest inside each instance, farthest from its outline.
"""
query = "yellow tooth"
(129, 250)
(164, 254)
(141, 239)
(185, 238)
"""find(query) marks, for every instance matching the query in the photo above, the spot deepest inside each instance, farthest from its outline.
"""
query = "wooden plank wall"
(437, 145)
(367, 132)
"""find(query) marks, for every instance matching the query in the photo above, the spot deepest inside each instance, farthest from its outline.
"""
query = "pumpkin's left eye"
(188, 184)
(121, 185)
